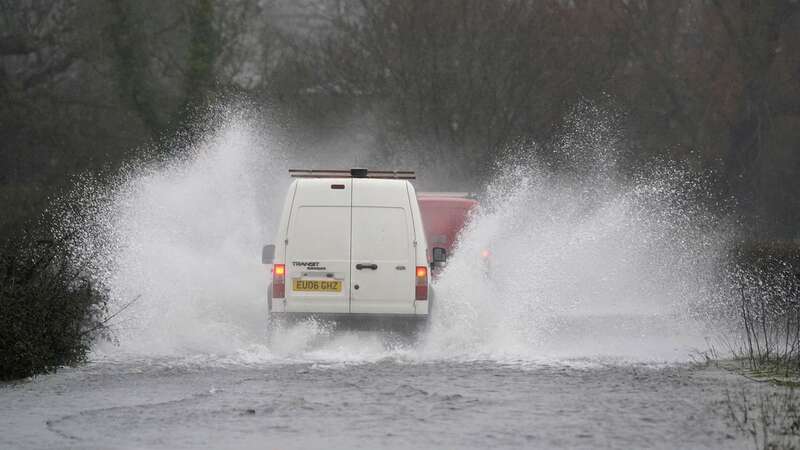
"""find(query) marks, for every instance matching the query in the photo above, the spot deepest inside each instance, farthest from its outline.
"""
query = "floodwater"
(393, 402)
(603, 289)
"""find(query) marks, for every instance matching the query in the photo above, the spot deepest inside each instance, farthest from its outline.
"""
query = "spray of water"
(584, 263)
(180, 240)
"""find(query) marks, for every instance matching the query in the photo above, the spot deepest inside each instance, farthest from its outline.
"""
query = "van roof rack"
(353, 173)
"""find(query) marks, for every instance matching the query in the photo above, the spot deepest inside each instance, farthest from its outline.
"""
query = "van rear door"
(382, 249)
(318, 247)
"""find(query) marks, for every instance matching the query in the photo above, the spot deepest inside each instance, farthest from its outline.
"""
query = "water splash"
(585, 262)
(182, 241)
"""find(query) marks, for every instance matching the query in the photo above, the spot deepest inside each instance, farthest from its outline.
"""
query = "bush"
(768, 279)
(50, 311)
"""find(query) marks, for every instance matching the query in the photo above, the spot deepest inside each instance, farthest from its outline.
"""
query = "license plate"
(317, 285)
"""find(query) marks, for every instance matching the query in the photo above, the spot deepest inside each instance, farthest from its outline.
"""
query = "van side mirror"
(268, 254)
(439, 255)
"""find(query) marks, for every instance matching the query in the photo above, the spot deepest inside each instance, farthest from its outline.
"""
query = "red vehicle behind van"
(444, 214)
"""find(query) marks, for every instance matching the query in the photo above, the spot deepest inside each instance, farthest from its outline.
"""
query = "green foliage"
(50, 311)
(130, 64)
(203, 50)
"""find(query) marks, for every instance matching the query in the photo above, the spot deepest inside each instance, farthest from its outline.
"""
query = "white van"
(350, 244)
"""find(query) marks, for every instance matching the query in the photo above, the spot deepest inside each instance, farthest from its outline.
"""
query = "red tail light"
(278, 281)
(421, 284)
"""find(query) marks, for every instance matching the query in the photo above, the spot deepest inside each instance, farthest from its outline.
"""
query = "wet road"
(394, 402)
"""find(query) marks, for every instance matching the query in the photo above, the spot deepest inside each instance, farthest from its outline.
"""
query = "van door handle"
(360, 266)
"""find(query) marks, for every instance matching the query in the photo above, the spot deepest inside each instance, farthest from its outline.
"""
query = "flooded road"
(389, 403)
(589, 382)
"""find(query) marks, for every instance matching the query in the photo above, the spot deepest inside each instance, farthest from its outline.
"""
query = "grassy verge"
(770, 419)
(766, 277)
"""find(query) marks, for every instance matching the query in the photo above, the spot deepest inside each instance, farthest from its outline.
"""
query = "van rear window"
(380, 234)
(320, 232)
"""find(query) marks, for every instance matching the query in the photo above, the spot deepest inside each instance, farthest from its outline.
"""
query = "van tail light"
(421, 283)
(278, 281)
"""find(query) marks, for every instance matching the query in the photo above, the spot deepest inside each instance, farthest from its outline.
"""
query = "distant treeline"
(84, 83)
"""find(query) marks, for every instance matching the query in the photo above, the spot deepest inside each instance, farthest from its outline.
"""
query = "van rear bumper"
(345, 316)
(421, 308)
(357, 321)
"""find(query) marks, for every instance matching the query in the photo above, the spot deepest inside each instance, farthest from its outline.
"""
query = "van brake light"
(421, 284)
(278, 281)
